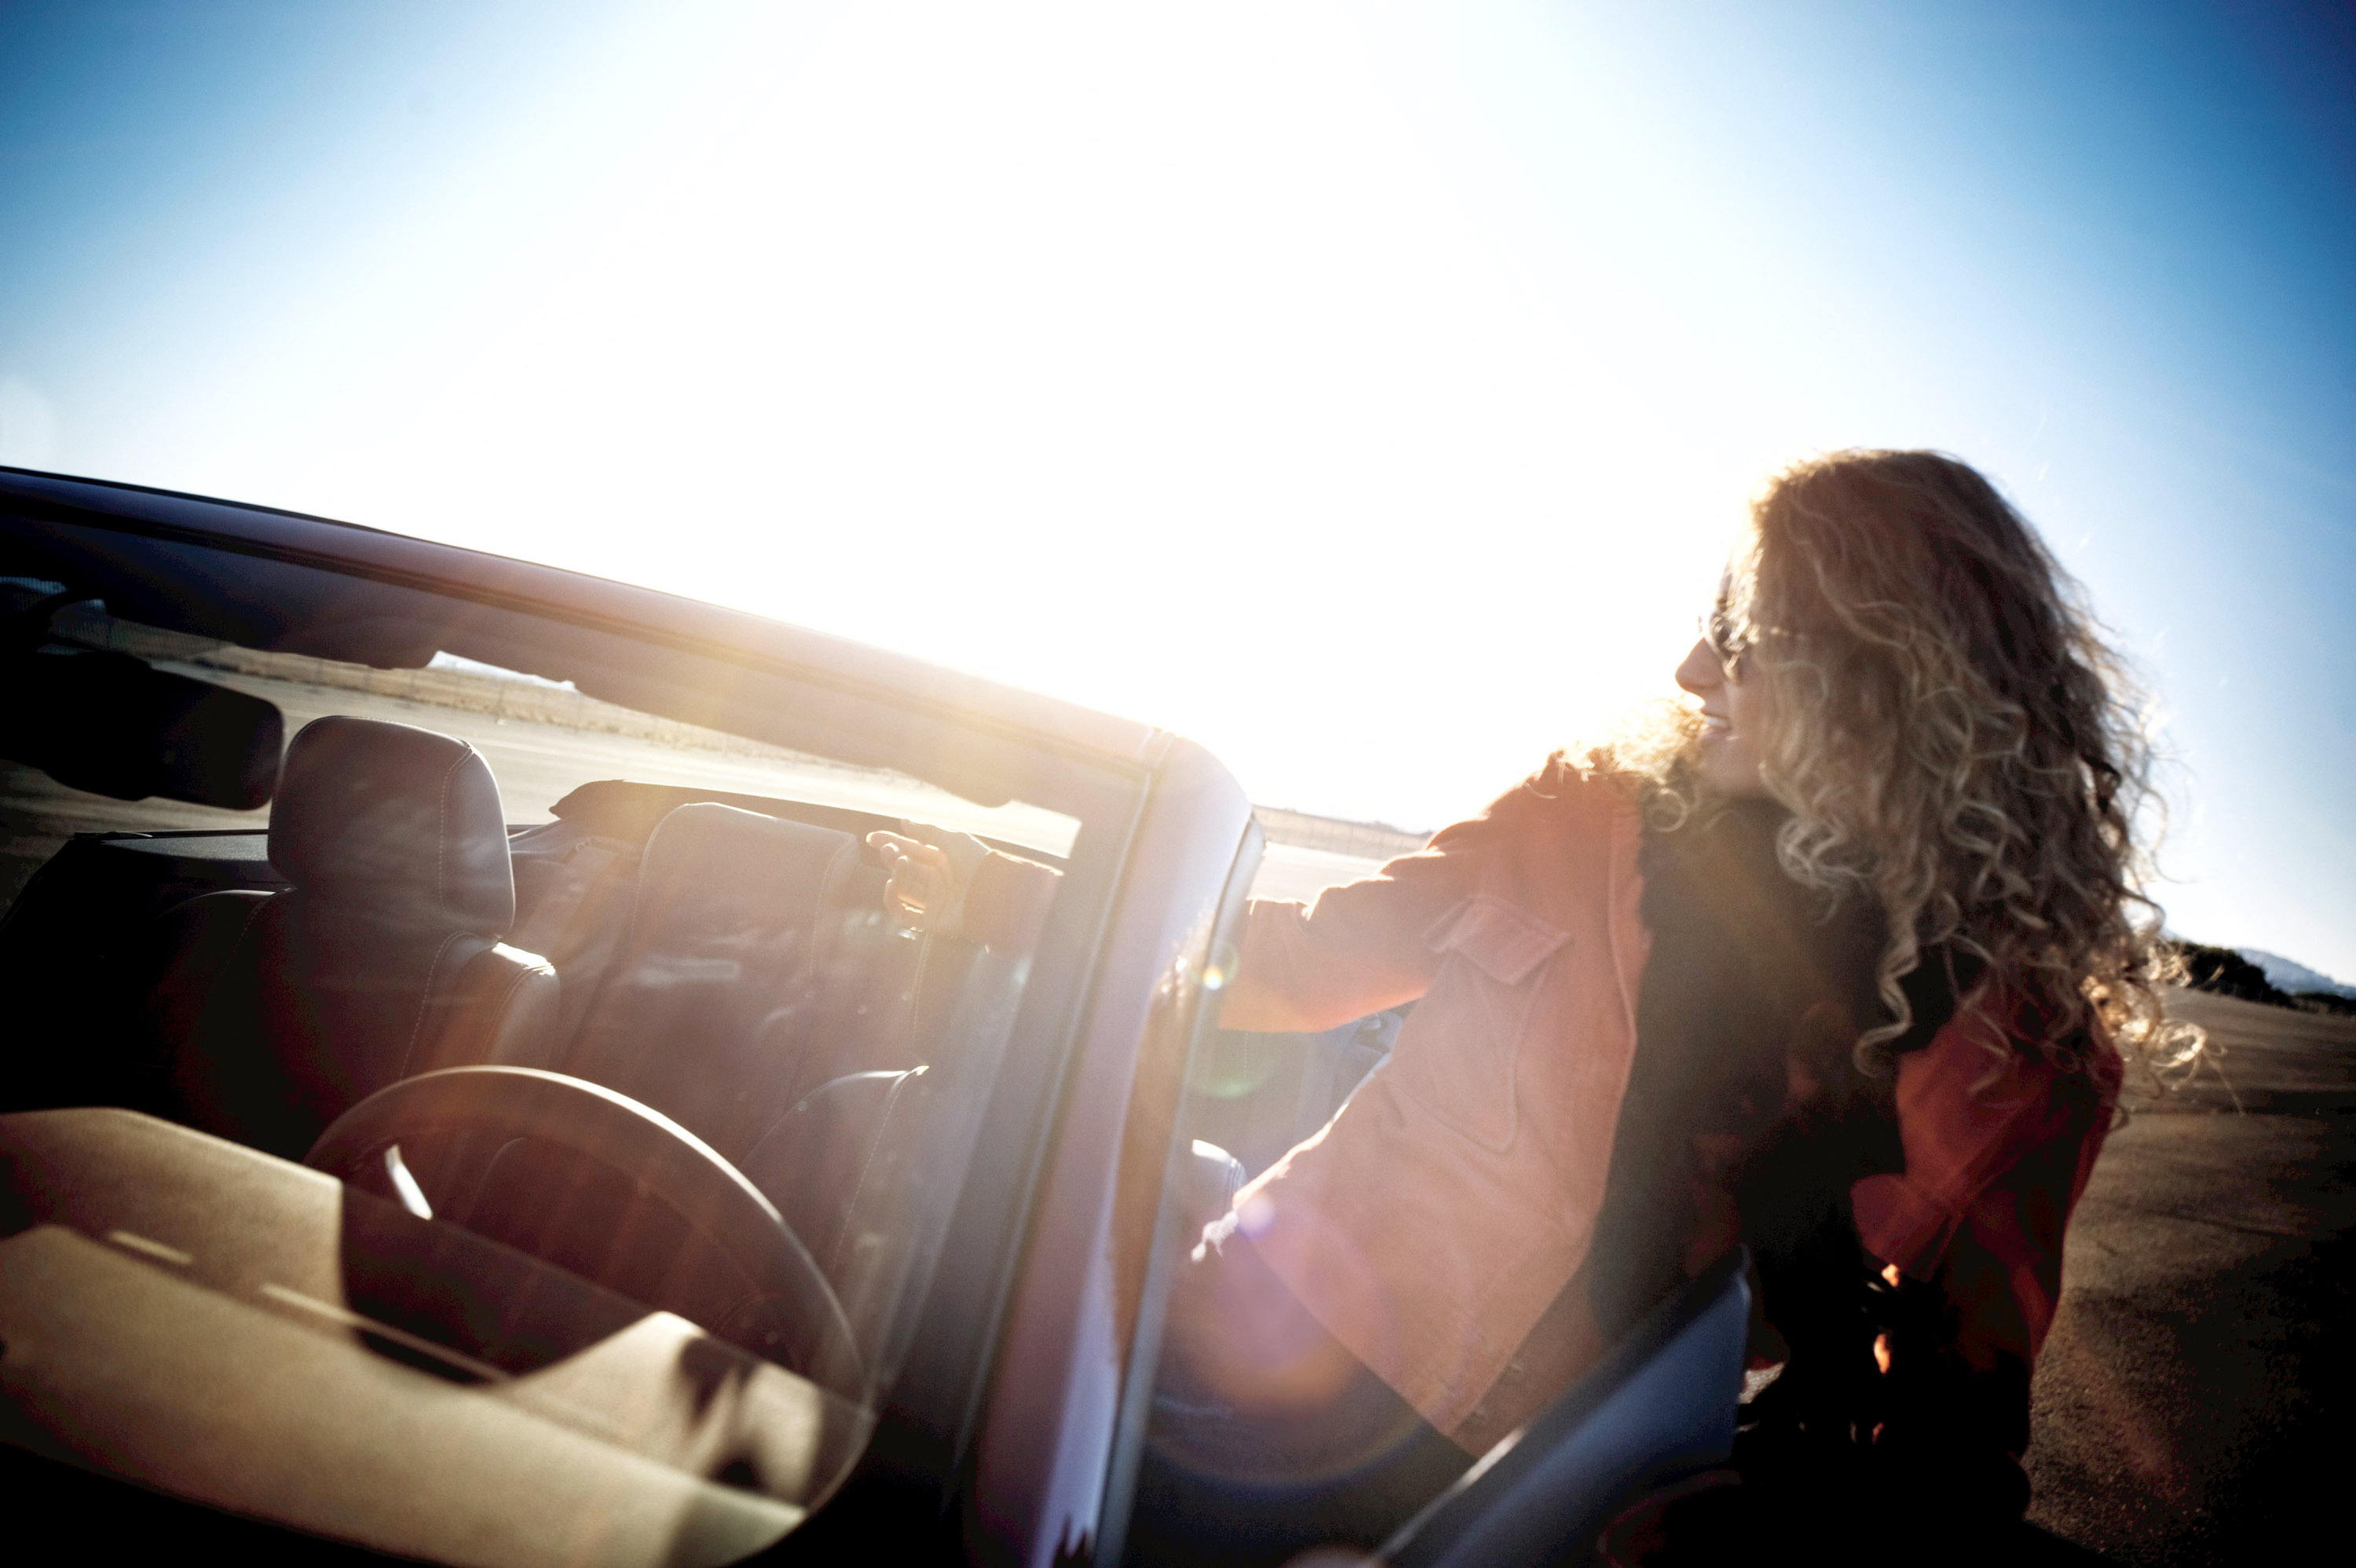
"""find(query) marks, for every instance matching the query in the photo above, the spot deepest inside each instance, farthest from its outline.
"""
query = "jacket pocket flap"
(1502, 942)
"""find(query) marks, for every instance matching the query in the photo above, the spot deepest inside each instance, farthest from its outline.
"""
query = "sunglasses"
(1725, 643)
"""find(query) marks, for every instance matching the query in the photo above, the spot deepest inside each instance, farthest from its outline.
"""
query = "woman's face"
(1736, 715)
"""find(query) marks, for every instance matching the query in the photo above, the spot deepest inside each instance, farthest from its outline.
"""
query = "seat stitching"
(442, 827)
(838, 868)
(842, 1236)
(244, 926)
(523, 972)
(425, 996)
(631, 932)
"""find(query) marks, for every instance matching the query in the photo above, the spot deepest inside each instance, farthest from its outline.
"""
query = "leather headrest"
(712, 873)
(401, 817)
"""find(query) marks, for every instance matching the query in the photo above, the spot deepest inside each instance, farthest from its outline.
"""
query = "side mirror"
(107, 724)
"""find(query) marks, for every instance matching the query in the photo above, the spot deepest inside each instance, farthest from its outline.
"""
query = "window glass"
(542, 739)
(710, 936)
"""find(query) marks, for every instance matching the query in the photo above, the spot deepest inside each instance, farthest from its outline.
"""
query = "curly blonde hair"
(1953, 736)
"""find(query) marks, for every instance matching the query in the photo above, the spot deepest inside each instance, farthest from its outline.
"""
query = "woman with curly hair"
(1843, 962)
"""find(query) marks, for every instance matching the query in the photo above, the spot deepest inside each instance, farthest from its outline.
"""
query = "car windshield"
(699, 927)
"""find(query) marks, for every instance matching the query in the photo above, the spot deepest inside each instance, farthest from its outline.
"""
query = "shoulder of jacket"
(1577, 787)
(1563, 800)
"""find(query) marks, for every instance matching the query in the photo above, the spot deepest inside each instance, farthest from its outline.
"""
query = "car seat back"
(573, 894)
(276, 1012)
(758, 955)
(857, 1165)
(830, 1162)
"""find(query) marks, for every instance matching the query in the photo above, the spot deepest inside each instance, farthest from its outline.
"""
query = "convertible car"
(466, 1096)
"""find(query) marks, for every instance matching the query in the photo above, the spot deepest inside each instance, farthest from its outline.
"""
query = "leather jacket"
(1434, 1225)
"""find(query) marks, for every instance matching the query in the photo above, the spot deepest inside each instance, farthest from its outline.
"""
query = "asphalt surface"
(2191, 1406)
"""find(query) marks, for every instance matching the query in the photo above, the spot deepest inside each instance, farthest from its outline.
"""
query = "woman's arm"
(1362, 946)
(1355, 949)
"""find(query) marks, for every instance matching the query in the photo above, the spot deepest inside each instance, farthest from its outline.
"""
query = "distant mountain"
(2291, 976)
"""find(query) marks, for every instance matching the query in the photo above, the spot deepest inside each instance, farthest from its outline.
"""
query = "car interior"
(640, 1119)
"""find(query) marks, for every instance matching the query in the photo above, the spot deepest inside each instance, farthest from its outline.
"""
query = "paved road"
(2193, 1402)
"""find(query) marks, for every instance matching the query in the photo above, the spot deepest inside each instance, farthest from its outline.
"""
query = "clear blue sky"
(1368, 391)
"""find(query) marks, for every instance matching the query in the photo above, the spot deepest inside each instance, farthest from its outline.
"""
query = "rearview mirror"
(107, 724)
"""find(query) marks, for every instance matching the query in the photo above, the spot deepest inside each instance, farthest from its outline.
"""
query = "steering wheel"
(806, 1329)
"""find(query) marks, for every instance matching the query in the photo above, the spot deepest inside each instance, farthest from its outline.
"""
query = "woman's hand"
(929, 871)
